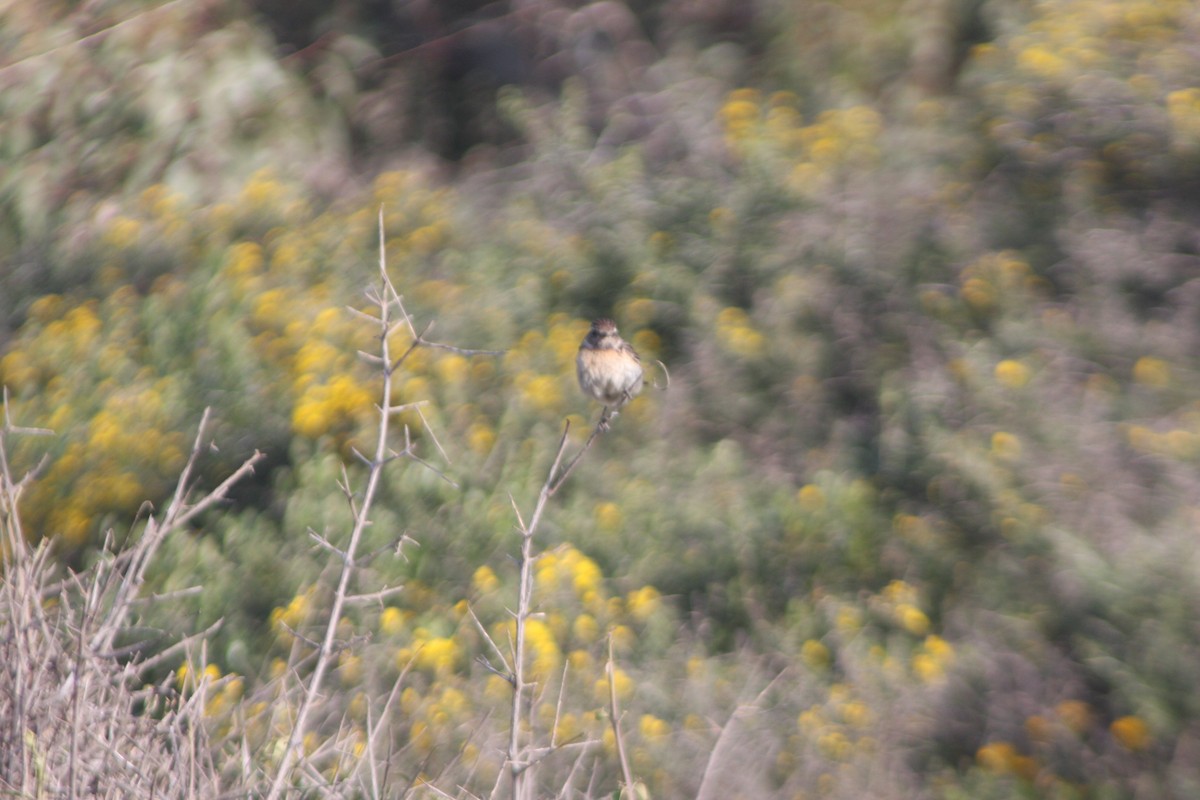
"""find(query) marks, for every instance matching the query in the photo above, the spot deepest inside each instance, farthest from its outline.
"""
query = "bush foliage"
(911, 516)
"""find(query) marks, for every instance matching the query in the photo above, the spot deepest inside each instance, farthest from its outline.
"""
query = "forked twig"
(615, 714)
(600, 428)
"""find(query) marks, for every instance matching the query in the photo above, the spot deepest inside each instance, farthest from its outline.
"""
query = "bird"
(608, 368)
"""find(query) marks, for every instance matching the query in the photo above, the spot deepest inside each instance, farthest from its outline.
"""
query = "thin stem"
(361, 520)
(615, 714)
(520, 777)
(600, 428)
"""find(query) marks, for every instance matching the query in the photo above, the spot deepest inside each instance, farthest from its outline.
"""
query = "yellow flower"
(567, 729)
(1153, 372)
(856, 714)
(547, 657)
(439, 655)
(296, 612)
(638, 311)
(185, 677)
(357, 708)
(926, 667)
(1183, 106)
(122, 232)
(481, 438)
(1039, 729)
(978, 294)
(420, 737)
(453, 369)
(350, 668)
(391, 621)
(721, 218)
(310, 417)
(811, 498)
(825, 150)
(580, 660)
(737, 335)
(426, 239)
(622, 683)
(585, 629)
(485, 580)
(608, 516)
(661, 242)
(262, 191)
(623, 638)
(1041, 62)
(542, 392)
(270, 307)
(1006, 446)
(642, 603)
(811, 720)
(815, 654)
(739, 111)
(651, 727)
(586, 575)
(834, 745)
(1075, 714)
(454, 702)
(1012, 374)
(348, 396)
(1182, 444)
(899, 592)
(998, 757)
(1131, 732)
(939, 648)
(912, 619)
(243, 259)
(745, 94)
(46, 307)
(17, 370)
(849, 619)
(1142, 438)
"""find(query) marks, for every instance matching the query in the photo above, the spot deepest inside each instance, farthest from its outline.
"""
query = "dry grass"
(77, 717)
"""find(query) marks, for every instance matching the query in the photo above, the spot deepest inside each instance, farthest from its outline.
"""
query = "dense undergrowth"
(912, 517)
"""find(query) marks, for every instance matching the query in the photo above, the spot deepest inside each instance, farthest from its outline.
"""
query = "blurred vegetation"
(924, 278)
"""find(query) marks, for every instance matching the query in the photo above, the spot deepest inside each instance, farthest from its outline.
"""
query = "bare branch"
(358, 312)
(171, 653)
(487, 636)
(325, 543)
(615, 714)
(739, 713)
(406, 406)
(434, 470)
(370, 358)
(181, 487)
(462, 351)
(374, 597)
(433, 436)
(601, 426)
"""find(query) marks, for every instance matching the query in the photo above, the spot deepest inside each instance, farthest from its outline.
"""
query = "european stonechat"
(608, 368)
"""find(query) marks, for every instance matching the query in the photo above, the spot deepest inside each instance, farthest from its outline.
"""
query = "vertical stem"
(519, 770)
(523, 601)
(615, 714)
(325, 658)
